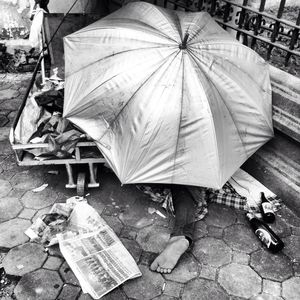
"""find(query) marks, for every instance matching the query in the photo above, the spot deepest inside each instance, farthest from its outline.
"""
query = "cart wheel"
(80, 184)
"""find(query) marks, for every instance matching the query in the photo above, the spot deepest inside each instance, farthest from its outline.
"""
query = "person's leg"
(184, 209)
(182, 234)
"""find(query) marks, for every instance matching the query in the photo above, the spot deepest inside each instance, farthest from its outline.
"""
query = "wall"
(15, 14)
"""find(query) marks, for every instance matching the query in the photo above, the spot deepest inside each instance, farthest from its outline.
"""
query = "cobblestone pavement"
(227, 261)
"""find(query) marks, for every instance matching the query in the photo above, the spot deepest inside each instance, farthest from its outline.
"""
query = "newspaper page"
(94, 252)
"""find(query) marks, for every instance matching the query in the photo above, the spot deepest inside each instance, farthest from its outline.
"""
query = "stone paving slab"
(281, 228)
(5, 148)
(6, 94)
(240, 257)
(114, 223)
(206, 289)
(53, 263)
(39, 213)
(12, 104)
(27, 213)
(4, 133)
(133, 248)
(187, 269)
(38, 285)
(5, 187)
(40, 199)
(292, 246)
(4, 121)
(271, 266)
(291, 288)
(68, 275)
(173, 289)
(220, 215)
(215, 231)
(115, 294)
(212, 251)
(12, 232)
(286, 215)
(200, 230)
(232, 279)
(9, 208)
(208, 272)
(264, 296)
(24, 181)
(240, 237)
(153, 238)
(24, 259)
(69, 292)
(272, 287)
(146, 287)
(54, 251)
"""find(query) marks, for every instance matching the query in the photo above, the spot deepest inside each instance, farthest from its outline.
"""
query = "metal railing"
(272, 32)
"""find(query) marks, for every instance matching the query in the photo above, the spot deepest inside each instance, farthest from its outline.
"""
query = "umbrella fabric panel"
(246, 95)
(106, 74)
(229, 148)
(161, 111)
(95, 92)
(162, 142)
(155, 17)
(201, 27)
(243, 66)
(113, 37)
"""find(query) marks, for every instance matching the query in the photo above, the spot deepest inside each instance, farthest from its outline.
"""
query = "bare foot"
(168, 258)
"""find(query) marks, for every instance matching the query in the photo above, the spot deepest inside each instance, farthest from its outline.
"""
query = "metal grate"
(272, 32)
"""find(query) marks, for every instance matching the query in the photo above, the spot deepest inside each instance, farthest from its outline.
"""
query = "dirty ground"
(227, 262)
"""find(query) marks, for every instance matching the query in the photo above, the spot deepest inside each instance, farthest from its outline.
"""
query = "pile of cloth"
(41, 121)
(241, 191)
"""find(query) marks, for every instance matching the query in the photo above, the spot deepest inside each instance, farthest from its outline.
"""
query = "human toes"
(159, 269)
(166, 271)
(155, 265)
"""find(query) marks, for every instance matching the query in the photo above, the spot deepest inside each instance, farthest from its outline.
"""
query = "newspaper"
(94, 252)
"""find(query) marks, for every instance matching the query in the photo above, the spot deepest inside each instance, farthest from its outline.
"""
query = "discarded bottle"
(266, 209)
(266, 235)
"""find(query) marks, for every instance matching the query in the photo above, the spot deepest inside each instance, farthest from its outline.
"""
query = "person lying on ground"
(181, 238)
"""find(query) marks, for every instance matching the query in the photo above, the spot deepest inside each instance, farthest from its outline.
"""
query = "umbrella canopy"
(168, 96)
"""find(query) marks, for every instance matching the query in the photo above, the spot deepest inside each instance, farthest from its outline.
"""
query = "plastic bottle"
(266, 235)
(266, 209)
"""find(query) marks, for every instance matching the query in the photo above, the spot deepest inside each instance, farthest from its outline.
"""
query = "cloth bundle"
(241, 191)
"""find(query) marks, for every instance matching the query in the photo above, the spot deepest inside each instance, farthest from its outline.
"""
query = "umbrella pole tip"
(182, 46)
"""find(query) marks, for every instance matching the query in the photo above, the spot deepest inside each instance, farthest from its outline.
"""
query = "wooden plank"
(29, 146)
(45, 145)
(29, 160)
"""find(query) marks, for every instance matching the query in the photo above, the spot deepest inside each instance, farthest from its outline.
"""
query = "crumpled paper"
(45, 228)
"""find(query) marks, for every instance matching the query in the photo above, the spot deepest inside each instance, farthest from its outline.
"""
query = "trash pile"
(19, 61)
(41, 121)
(95, 254)
(45, 228)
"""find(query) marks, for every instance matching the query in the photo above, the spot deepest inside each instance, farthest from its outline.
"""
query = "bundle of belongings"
(241, 191)
(41, 121)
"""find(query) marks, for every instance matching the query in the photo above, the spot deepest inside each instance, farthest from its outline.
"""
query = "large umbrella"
(168, 96)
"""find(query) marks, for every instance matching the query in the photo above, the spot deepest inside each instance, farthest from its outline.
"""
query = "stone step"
(277, 166)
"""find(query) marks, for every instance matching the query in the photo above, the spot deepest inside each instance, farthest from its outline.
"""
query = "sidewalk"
(227, 261)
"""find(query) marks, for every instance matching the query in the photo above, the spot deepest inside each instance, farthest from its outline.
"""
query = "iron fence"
(272, 32)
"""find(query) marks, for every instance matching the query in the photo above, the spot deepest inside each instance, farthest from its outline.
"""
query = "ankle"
(180, 238)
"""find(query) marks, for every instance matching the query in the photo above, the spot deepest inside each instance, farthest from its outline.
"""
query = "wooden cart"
(26, 159)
